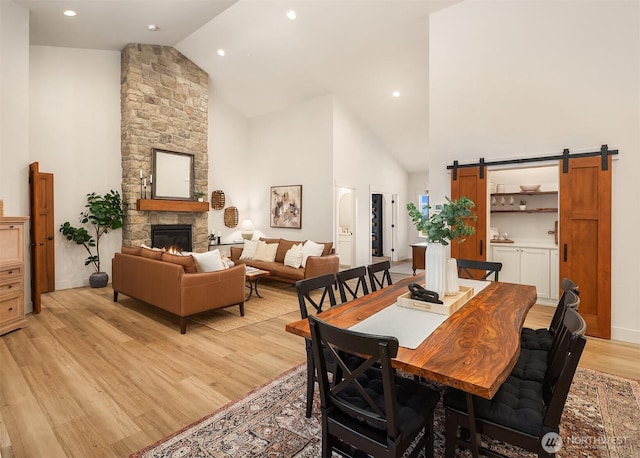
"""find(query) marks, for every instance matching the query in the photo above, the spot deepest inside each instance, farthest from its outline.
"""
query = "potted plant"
(199, 195)
(103, 213)
(447, 225)
(523, 204)
(441, 229)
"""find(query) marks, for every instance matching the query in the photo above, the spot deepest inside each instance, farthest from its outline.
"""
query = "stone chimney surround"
(164, 104)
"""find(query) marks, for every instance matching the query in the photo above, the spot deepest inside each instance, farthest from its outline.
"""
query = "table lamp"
(247, 229)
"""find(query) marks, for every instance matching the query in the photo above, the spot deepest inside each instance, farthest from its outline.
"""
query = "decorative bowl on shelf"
(530, 187)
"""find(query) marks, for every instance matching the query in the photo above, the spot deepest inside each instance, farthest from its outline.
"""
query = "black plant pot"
(98, 279)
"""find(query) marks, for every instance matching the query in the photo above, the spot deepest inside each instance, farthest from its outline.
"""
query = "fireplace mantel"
(165, 205)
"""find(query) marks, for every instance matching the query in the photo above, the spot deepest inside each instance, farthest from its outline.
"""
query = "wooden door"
(42, 234)
(468, 183)
(585, 238)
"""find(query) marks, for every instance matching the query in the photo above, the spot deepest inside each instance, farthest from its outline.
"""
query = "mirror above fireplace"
(172, 175)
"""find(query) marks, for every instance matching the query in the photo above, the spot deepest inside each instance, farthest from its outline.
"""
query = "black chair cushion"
(536, 339)
(415, 401)
(531, 365)
(518, 404)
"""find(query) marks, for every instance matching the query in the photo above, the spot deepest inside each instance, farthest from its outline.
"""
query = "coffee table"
(253, 275)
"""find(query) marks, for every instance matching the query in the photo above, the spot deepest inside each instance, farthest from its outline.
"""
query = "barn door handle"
(564, 249)
(480, 247)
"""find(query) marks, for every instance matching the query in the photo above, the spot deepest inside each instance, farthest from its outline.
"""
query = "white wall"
(14, 119)
(291, 147)
(228, 162)
(515, 79)
(74, 133)
(362, 163)
(14, 109)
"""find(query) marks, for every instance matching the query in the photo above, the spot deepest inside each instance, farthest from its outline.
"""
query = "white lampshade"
(247, 229)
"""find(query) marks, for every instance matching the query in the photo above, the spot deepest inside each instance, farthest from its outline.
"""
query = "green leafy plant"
(449, 224)
(198, 194)
(104, 214)
(523, 202)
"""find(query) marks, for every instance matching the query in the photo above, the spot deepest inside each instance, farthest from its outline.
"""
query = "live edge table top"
(474, 350)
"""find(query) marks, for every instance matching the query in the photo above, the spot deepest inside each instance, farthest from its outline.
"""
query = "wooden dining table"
(473, 350)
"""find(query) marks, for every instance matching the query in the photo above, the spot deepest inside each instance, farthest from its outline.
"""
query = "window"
(423, 205)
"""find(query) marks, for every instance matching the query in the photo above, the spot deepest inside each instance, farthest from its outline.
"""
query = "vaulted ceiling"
(358, 50)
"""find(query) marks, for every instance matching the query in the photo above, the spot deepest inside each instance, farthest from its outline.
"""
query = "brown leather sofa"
(327, 263)
(167, 286)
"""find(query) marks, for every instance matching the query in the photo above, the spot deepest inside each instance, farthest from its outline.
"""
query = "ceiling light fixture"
(69, 13)
(152, 27)
(396, 93)
(291, 14)
(221, 52)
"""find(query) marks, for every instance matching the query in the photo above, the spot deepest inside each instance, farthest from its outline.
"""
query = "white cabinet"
(344, 250)
(529, 266)
(554, 274)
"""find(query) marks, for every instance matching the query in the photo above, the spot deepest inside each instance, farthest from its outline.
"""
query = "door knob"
(50, 238)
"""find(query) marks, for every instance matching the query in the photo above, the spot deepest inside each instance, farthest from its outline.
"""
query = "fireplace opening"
(171, 235)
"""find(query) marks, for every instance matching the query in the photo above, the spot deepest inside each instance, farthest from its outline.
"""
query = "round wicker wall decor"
(231, 216)
(217, 199)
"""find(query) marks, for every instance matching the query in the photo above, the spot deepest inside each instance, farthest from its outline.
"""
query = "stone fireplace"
(164, 105)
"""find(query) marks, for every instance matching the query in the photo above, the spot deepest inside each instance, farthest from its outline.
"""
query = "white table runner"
(409, 326)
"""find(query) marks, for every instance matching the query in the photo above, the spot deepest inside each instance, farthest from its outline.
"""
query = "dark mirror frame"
(170, 168)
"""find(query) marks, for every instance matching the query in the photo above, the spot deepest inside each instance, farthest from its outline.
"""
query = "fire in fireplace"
(171, 235)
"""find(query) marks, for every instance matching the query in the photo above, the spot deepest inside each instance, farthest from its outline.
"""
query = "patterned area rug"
(601, 419)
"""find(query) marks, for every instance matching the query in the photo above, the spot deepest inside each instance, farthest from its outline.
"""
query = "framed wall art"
(286, 206)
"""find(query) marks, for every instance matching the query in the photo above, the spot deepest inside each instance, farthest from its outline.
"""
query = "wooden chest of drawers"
(12, 267)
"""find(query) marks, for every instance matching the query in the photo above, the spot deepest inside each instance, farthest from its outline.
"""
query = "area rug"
(601, 419)
(277, 299)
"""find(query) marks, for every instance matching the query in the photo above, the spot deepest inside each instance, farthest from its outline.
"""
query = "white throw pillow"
(249, 250)
(311, 249)
(293, 257)
(152, 248)
(266, 251)
(211, 261)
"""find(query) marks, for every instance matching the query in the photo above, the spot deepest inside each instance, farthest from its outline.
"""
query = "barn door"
(585, 238)
(471, 183)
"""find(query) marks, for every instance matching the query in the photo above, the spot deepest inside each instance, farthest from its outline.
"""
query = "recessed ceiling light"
(291, 14)
(396, 93)
(152, 27)
(221, 52)
(69, 13)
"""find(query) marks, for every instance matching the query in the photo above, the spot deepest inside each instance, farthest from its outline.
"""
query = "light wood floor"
(90, 378)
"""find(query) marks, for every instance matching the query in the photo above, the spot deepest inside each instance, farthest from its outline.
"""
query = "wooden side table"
(418, 251)
(253, 275)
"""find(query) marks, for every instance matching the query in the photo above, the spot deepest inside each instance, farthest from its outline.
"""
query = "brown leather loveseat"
(327, 263)
(166, 285)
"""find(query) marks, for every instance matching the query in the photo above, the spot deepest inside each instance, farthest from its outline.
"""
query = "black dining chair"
(366, 406)
(522, 412)
(379, 275)
(533, 363)
(479, 270)
(314, 293)
(345, 278)
(542, 339)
